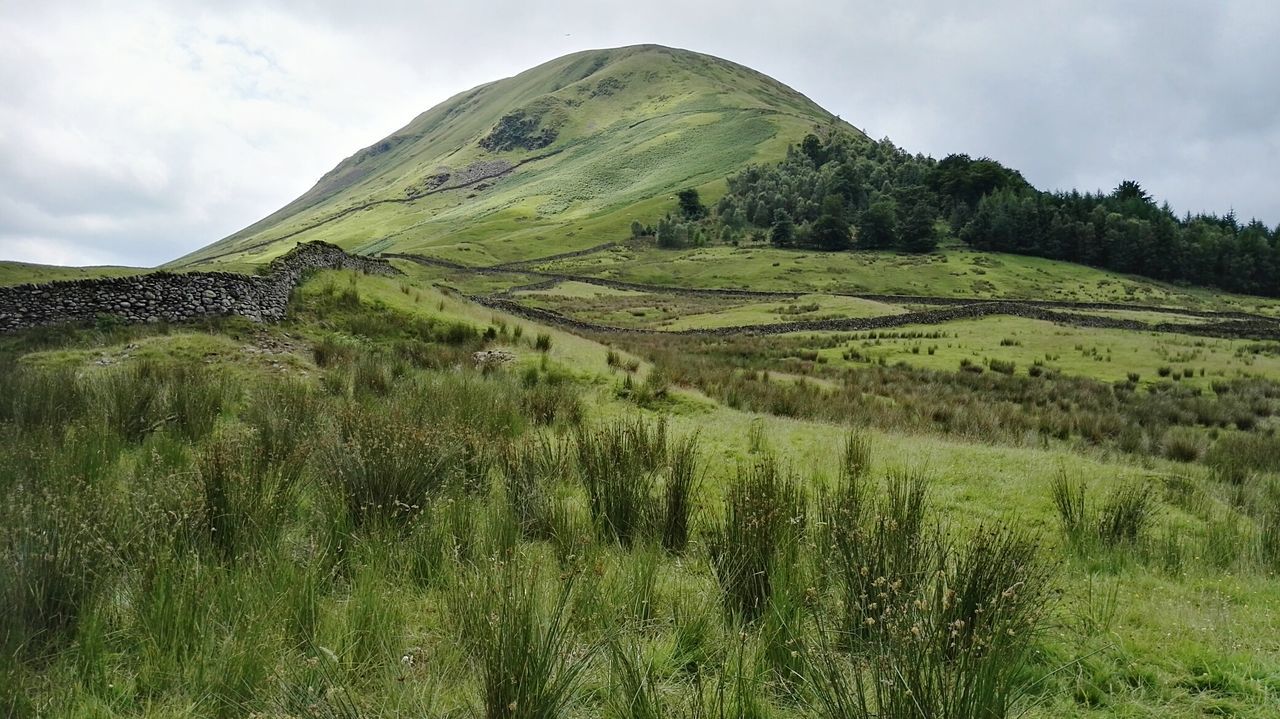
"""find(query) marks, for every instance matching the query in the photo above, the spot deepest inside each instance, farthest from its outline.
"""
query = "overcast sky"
(134, 132)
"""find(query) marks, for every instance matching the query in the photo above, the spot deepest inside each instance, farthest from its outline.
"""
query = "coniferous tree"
(831, 231)
(691, 206)
(917, 232)
(783, 231)
(878, 227)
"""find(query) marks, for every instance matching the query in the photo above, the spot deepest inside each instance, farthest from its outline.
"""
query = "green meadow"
(344, 516)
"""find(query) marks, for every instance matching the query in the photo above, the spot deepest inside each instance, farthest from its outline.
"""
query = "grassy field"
(952, 272)
(340, 516)
(18, 273)
(1108, 355)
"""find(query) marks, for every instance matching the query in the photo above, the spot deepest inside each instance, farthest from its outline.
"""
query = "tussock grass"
(1123, 519)
(955, 643)
(531, 471)
(763, 519)
(878, 544)
(520, 642)
(387, 465)
(1234, 457)
(679, 490)
(618, 465)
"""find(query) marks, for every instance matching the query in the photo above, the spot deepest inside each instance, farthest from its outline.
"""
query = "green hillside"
(559, 157)
(18, 273)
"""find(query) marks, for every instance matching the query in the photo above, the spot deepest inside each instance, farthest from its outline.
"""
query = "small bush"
(1235, 457)
(1002, 366)
(546, 404)
(332, 352)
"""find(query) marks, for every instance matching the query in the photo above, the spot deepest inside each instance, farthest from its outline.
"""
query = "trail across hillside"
(1236, 325)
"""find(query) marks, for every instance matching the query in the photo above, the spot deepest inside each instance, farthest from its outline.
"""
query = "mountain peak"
(568, 152)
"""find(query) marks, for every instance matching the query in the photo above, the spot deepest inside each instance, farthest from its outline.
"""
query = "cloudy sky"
(134, 132)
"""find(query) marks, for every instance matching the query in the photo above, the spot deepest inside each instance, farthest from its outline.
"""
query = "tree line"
(842, 192)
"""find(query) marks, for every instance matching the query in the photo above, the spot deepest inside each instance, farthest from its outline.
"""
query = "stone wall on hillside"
(171, 297)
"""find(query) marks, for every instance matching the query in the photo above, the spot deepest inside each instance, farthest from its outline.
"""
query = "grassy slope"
(17, 273)
(639, 123)
(953, 272)
(1177, 645)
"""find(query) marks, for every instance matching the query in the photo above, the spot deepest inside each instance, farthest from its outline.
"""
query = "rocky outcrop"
(171, 297)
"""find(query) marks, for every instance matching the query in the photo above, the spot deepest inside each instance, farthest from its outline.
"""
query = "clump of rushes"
(53, 550)
(542, 342)
(1126, 515)
(764, 518)
(1123, 518)
(1071, 500)
(955, 643)
(529, 470)
(387, 465)
(681, 483)
(633, 687)
(520, 642)
(878, 547)
(617, 463)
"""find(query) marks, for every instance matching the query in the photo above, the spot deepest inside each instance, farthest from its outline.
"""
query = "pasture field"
(19, 273)
(950, 272)
(343, 516)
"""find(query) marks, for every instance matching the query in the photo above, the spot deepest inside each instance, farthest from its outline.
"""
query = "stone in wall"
(170, 297)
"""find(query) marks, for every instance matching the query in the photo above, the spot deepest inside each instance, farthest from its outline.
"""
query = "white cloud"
(136, 135)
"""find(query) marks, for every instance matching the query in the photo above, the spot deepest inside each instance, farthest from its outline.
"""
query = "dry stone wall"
(171, 297)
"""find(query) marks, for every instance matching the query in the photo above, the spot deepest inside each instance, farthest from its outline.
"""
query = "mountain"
(559, 157)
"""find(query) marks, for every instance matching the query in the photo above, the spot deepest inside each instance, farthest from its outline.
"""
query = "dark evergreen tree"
(831, 231)
(813, 149)
(783, 230)
(691, 206)
(878, 227)
(917, 233)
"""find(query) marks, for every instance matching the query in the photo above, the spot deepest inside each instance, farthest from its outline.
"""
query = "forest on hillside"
(844, 192)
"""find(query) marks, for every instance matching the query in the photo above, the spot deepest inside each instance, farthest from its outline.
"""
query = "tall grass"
(618, 464)
(1124, 518)
(1237, 456)
(955, 643)
(54, 554)
(681, 484)
(243, 502)
(520, 642)
(880, 549)
(387, 465)
(762, 522)
(530, 471)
